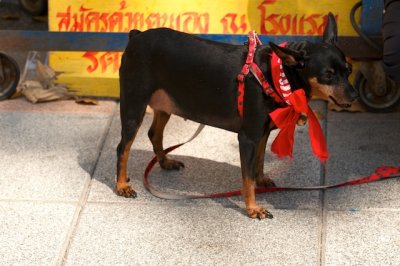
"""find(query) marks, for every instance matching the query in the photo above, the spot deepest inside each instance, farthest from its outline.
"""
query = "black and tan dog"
(181, 74)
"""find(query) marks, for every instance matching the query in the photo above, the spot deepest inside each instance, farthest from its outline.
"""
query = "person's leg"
(391, 39)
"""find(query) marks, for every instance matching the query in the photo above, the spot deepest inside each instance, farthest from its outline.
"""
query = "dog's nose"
(352, 93)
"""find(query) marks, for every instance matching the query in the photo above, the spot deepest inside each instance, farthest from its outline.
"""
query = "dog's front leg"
(248, 150)
(261, 180)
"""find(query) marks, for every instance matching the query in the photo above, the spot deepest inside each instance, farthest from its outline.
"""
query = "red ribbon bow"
(286, 118)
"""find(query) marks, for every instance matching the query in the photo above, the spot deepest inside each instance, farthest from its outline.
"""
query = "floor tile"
(149, 234)
(33, 233)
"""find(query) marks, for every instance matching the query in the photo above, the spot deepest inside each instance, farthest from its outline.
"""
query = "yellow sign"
(96, 73)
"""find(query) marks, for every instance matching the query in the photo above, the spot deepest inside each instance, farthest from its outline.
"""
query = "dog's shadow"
(199, 177)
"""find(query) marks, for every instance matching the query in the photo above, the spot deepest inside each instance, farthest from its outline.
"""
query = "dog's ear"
(330, 32)
(289, 56)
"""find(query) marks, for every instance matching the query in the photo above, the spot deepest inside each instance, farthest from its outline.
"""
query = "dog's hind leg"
(134, 99)
(130, 123)
(156, 137)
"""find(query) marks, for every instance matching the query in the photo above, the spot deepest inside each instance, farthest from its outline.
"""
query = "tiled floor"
(58, 206)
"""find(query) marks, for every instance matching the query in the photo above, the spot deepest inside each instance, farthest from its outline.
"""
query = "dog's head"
(321, 68)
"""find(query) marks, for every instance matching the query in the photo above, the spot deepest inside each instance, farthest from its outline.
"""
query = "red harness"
(251, 66)
(293, 103)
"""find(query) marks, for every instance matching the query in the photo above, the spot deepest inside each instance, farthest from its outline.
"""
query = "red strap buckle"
(240, 77)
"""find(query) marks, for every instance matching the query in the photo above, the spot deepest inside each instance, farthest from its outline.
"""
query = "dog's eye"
(329, 73)
(349, 68)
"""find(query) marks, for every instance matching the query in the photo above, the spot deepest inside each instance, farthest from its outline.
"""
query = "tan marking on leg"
(248, 191)
(156, 137)
(122, 186)
(249, 195)
(261, 180)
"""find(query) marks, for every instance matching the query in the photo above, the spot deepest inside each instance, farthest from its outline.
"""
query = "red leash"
(381, 173)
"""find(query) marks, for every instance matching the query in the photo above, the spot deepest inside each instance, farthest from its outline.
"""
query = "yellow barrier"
(96, 73)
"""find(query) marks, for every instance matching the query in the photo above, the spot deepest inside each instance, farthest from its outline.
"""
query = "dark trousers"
(391, 39)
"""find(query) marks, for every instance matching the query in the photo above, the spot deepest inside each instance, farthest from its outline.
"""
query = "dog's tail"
(133, 33)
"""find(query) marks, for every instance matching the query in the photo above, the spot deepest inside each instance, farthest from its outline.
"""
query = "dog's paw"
(125, 190)
(169, 164)
(265, 182)
(259, 213)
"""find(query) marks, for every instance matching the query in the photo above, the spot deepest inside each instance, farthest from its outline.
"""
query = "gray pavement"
(58, 206)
